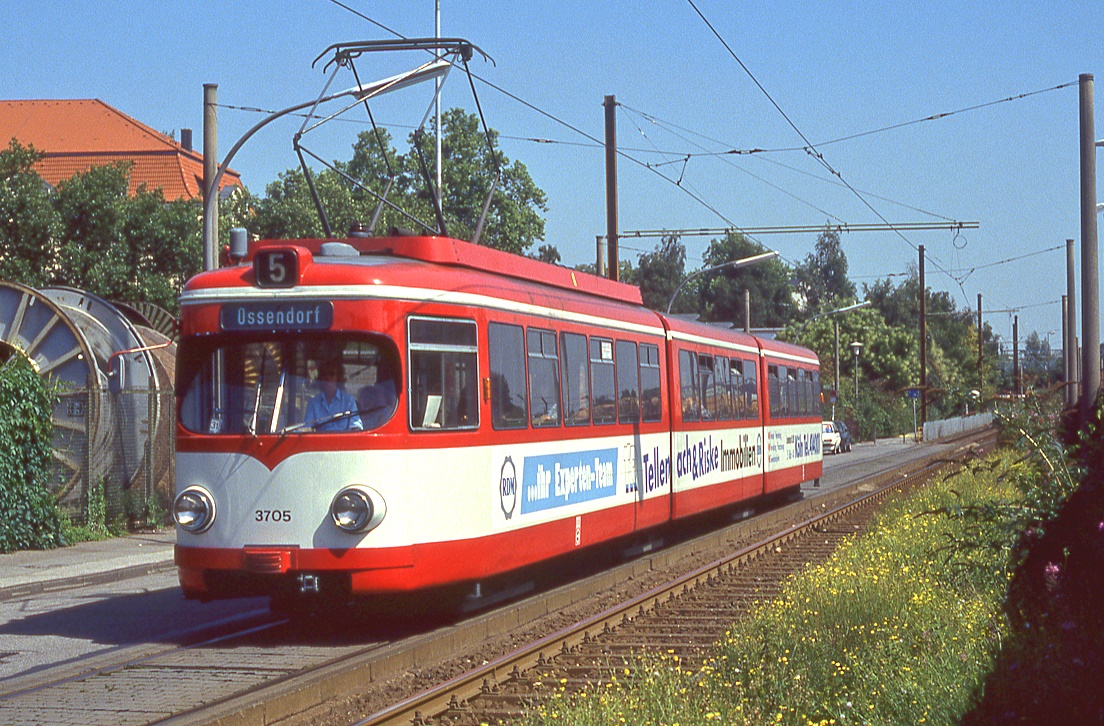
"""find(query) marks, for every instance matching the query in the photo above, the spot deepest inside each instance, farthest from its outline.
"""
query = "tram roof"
(465, 255)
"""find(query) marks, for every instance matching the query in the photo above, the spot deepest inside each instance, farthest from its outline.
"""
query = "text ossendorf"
(292, 315)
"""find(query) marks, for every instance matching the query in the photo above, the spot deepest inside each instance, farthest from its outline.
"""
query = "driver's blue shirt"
(318, 409)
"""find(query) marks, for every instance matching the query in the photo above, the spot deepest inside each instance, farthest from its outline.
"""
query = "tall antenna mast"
(437, 99)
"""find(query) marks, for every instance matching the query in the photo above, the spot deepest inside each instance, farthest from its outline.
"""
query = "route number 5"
(276, 268)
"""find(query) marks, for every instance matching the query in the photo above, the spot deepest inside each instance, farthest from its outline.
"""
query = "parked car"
(844, 434)
(829, 438)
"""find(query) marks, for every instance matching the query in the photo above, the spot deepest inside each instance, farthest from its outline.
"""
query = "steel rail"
(467, 685)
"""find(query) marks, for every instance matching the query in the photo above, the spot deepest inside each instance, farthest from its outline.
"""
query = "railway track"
(681, 618)
(260, 669)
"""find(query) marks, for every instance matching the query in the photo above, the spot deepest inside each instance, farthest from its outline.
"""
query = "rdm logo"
(507, 487)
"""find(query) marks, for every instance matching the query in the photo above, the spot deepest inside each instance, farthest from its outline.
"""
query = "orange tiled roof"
(78, 134)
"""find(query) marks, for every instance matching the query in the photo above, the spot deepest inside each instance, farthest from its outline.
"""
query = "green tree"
(163, 247)
(548, 253)
(91, 207)
(821, 279)
(625, 271)
(514, 222)
(288, 210)
(952, 341)
(658, 274)
(1041, 365)
(119, 247)
(28, 222)
(722, 292)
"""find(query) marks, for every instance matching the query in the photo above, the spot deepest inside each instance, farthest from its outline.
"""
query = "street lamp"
(849, 308)
(734, 264)
(856, 348)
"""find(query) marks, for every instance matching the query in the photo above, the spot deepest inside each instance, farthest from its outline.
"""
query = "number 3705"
(272, 515)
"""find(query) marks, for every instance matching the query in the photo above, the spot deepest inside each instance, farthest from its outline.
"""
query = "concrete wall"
(935, 430)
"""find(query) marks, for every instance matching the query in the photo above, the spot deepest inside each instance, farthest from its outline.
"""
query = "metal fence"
(935, 430)
(114, 448)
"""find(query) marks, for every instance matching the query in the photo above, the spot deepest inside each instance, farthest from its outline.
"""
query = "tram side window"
(817, 400)
(506, 349)
(736, 382)
(651, 401)
(688, 386)
(603, 382)
(576, 380)
(708, 383)
(724, 393)
(775, 389)
(792, 389)
(444, 374)
(751, 390)
(544, 378)
(628, 382)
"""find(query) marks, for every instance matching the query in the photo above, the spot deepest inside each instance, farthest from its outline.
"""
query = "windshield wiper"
(276, 405)
(256, 408)
(330, 419)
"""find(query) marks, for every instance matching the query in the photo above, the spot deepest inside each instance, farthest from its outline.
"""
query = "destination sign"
(286, 315)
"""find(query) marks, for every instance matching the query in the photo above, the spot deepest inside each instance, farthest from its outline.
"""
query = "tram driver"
(324, 411)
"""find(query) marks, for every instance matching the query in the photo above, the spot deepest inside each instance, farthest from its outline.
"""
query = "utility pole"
(1090, 291)
(1017, 389)
(210, 169)
(923, 344)
(835, 354)
(1072, 381)
(981, 356)
(747, 310)
(611, 185)
(1066, 389)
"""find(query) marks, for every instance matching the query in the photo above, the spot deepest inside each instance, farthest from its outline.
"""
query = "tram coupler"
(309, 583)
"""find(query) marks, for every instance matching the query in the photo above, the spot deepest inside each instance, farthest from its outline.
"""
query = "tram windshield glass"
(282, 385)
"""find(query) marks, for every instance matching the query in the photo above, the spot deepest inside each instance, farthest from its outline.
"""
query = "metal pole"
(856, 378)
(915, 432)
(1065, 350)
(835, 355)
(1017, 389)
(611, 184)
(210, 168)
(981, 355)
(1090, 290)
(923, 344)
(747, 310)
(1072, 382)
(437, 98)
(601, 256)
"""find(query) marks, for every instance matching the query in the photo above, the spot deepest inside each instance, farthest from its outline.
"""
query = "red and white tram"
(387, 415)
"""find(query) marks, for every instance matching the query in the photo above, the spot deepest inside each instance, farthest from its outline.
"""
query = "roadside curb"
(40, 587)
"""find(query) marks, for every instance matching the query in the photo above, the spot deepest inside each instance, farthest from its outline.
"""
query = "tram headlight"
(357, 509)
(194, 509)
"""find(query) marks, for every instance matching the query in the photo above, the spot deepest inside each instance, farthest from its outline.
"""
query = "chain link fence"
(116, 448)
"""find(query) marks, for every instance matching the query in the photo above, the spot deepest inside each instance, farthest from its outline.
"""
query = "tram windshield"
(282, 385)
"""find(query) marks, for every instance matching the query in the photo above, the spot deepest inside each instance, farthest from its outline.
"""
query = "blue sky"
(834, 69)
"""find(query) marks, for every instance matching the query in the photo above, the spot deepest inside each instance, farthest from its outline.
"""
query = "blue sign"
(286, 315)
(558, 480)
(913, 392)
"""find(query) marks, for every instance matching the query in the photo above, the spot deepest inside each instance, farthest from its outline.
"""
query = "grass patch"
(901, 625)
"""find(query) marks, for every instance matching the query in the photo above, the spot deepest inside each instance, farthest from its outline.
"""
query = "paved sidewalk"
(36, 571)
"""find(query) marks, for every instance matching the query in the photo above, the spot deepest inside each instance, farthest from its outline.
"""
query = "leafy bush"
(31, 518)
